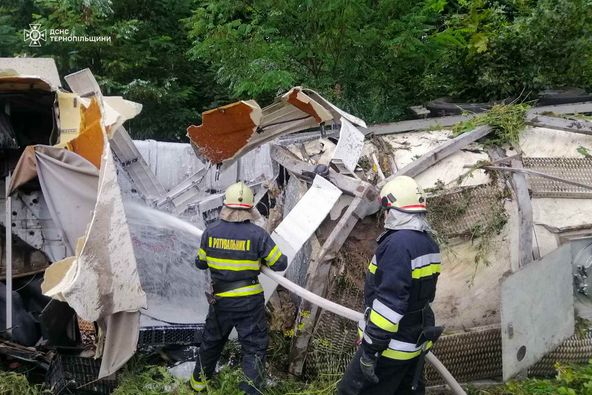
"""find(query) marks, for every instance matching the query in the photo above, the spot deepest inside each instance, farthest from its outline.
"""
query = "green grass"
(12, 383)
(156, 380)
(570, 380)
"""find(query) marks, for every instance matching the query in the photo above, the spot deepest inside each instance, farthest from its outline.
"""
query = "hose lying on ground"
(354, 316)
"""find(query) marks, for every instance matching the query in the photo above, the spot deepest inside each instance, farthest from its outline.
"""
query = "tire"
(445, 106)
(563, 96)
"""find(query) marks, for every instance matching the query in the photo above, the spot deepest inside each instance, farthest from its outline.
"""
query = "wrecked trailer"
(103, 269)
(141, 255)
(107, 271)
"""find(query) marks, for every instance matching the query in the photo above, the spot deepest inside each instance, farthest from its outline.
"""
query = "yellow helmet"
(239, 196)
(404, 194)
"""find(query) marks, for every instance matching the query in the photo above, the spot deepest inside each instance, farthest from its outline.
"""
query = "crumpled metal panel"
(229, 132)
(171, 163)
(135, 166)
(44, 68)
(349, 147)
(301, 222)
(537, 310)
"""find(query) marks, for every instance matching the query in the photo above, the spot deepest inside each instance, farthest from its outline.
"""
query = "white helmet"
(239, 196)
(404, 194)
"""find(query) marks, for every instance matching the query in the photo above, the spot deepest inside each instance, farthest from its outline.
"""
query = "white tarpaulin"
(105, 278)
(300, 223)
(69, 184)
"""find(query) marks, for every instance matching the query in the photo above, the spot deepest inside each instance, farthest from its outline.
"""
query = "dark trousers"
(252, 335)
(395, 378)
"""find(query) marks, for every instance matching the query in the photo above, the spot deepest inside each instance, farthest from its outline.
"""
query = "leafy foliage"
(145, 61)
(570, 380)
(373, 58)
(377, 58)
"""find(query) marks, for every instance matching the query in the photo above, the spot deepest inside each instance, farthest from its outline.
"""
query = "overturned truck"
(89, 210)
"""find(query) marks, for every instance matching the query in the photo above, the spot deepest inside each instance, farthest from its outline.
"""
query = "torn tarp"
(69, 184)
(101, 281)
(105, 278)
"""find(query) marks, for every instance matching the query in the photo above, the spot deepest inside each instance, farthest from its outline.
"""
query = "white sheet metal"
(302, 222)
(336, 111)
(135, 166)
(171, 163)
(45, 68)
(350, 145)
(84, 83)
(537, 311)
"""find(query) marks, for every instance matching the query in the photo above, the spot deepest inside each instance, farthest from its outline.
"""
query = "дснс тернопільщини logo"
(35, 35)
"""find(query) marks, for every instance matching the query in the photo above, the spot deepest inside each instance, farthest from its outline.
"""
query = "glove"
(368, 366)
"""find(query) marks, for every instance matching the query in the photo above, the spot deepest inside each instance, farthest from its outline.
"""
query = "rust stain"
(223, 132)
(306, 107)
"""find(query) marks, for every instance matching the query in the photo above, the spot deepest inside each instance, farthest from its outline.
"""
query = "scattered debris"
(111, 214)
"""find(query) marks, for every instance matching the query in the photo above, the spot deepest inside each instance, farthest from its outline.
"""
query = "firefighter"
(233, 248)
(400, 284)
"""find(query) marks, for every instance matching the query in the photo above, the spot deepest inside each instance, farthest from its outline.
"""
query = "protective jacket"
(234, 252)
(399, 287)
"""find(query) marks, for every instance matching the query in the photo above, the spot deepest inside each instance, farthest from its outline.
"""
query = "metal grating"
(333, 343)
(69, 374)
(468, 356)
(179, 334)
(576, 349)
(572, 169)
(458, 213)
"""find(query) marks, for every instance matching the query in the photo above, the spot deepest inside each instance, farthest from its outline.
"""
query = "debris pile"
(104, 219)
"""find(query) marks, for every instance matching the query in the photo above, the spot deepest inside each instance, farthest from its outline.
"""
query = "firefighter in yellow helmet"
(233, 249)
(400, 284)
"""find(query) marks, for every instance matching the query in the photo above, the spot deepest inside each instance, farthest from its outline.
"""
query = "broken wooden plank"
(571, 108)
(568, 125)
(417, 124)
(294, 165)
(318, 282)
(443, 151)
(443, 122)
(519, 185)
(525, 221)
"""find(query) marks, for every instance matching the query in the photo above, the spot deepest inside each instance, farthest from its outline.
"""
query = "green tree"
(368, 56)
(145, 60)
(500, 49)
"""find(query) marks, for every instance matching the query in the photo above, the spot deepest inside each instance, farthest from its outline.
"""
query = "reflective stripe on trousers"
(196, 384)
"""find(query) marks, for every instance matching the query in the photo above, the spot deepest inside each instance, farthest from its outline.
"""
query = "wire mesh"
(572, 169)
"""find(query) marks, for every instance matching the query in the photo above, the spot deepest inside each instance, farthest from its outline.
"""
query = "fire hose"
(354, 316)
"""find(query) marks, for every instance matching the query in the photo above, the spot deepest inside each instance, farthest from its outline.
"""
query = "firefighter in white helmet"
(400, 284)
(233, 249)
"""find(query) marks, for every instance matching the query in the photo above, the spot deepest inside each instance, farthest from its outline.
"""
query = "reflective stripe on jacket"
(234, 251)
(401, 281)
